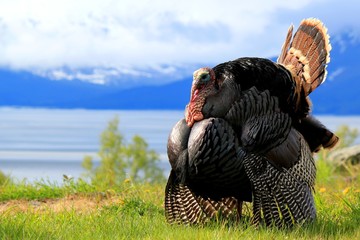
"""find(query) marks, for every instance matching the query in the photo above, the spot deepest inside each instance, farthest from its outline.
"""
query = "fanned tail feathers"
(307, 55)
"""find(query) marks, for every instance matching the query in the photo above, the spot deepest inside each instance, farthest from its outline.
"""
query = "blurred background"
(68, 67)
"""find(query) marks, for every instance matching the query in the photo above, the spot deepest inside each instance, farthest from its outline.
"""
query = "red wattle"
(195, 94)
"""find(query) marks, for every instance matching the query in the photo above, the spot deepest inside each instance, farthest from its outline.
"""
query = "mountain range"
(339, 95)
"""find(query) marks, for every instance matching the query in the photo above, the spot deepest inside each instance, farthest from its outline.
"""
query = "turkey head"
(211, 95)
(204, 84)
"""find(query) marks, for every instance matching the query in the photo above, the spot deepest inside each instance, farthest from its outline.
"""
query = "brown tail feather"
(307, 55)
(286, 45)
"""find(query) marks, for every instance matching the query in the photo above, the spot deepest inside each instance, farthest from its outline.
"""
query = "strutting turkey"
(248, 136)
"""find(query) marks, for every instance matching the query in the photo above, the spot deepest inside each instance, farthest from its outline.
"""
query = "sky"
(153, 41)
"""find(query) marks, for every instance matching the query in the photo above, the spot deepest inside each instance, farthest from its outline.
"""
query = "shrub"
(120, 161)
(4, 178)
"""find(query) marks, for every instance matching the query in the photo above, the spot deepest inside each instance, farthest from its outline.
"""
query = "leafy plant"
(120, 161)
(326, 169)
(4, 179)
(347, 136)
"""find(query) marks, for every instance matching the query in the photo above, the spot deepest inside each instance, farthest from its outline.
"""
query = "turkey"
(248, 135)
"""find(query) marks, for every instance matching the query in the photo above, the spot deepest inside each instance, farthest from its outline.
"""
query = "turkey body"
(248, 135)
(214, 157)
(220, 162)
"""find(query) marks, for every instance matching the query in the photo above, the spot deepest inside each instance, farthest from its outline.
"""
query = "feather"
(307, 55)
(182, 205)
(282, 197)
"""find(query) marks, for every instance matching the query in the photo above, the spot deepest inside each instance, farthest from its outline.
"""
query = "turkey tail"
(307, 55)
(182, 205)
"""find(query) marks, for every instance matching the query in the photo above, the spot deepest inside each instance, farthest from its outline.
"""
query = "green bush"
(347, 136)
(4, 179)
(327, 170)
(120, 161)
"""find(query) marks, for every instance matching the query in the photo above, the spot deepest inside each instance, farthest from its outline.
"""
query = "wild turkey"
(248, 136)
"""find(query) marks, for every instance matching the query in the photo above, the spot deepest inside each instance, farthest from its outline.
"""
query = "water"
(47, 143)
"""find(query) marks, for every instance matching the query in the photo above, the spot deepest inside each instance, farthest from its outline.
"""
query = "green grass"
(78, 210)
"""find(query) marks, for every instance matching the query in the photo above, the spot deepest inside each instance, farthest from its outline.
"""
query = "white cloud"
(334, 74)
(150, 38)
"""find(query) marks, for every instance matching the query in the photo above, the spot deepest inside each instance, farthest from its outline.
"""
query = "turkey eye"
(205, 77)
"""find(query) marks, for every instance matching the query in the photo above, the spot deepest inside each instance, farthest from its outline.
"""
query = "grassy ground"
(77, 210)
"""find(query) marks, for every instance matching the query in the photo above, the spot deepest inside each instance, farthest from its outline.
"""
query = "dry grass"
(78, 203)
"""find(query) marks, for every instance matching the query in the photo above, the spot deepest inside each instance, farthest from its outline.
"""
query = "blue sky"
(152, 41)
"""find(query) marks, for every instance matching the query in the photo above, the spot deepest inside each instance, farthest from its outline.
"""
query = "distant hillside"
(170, 96)
(25, 89)
(338, 95)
